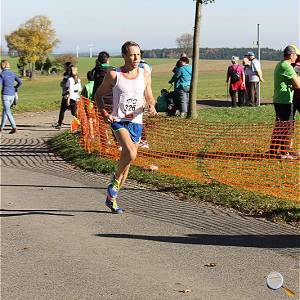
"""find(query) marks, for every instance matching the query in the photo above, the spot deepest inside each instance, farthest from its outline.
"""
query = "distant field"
(211, 81)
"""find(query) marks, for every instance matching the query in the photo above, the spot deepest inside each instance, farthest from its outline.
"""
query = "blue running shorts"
(134, 129)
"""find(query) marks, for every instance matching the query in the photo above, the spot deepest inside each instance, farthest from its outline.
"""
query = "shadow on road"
(53, 186)
(51, 212)
(257, 241)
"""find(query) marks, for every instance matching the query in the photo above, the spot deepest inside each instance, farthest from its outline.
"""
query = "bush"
(62, 59)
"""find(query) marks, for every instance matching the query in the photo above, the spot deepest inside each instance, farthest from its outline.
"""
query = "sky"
(107, 24)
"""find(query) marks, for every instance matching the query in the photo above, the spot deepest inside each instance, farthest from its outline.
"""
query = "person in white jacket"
(73, 89)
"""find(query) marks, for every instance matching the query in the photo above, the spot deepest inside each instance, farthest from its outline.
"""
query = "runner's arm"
(106, 87)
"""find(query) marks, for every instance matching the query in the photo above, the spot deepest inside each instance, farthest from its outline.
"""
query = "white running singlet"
(128, 97)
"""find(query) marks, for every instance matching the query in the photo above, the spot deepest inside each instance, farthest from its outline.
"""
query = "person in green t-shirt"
(285, 80)
(87, 90)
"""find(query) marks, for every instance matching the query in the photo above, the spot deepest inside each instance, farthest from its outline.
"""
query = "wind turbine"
(91, 49)
(77, 51)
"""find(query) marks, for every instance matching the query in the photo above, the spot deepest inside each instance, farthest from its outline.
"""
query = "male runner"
(131, 87)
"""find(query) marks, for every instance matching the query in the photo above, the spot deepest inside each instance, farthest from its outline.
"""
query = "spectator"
(183, 54)
(87, 90)
(254, 77)
(9, 90)
(99, 71)
(71, 95)
(296, 97)
(64, 91)
(161, 104)
(247, 71)
(236, 76)
(143, 64)
(285, 78)
(182, 81)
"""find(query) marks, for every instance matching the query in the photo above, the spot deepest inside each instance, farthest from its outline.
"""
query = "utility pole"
(258, 57)
(77, 51)
(195, 66)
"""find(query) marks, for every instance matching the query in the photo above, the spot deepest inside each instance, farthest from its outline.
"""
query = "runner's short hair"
(126, 45)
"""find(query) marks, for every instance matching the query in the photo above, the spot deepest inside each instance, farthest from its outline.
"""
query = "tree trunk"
(195, 71)
(32, 71)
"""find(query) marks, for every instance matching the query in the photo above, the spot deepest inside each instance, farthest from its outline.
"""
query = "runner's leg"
(128, 153)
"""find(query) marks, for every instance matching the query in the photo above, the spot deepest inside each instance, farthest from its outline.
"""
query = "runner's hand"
(109, 119)
(152, 110)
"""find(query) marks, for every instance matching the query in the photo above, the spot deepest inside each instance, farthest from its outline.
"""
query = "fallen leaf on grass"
(150, 168)
(210, 265)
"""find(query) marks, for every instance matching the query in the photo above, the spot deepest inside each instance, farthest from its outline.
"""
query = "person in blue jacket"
(9, 89)
(182, 81)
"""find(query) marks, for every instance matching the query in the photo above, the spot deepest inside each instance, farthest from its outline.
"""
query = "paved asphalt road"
(58, 240)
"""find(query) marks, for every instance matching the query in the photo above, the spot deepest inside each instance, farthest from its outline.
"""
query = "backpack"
(234, 75)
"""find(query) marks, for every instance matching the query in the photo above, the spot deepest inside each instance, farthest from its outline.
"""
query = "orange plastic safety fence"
(262, 158)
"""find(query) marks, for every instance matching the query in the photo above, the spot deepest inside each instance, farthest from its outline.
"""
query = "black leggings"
(64, 107)
(283, 129)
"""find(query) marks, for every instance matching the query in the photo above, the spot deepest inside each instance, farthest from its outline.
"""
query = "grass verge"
(271, 208)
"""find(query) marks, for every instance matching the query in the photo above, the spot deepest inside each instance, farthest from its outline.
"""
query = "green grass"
(43, 93)
(243, 115)
(272, 208)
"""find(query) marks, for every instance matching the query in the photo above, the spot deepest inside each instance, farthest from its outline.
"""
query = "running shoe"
(113, 188)
(112, 204)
